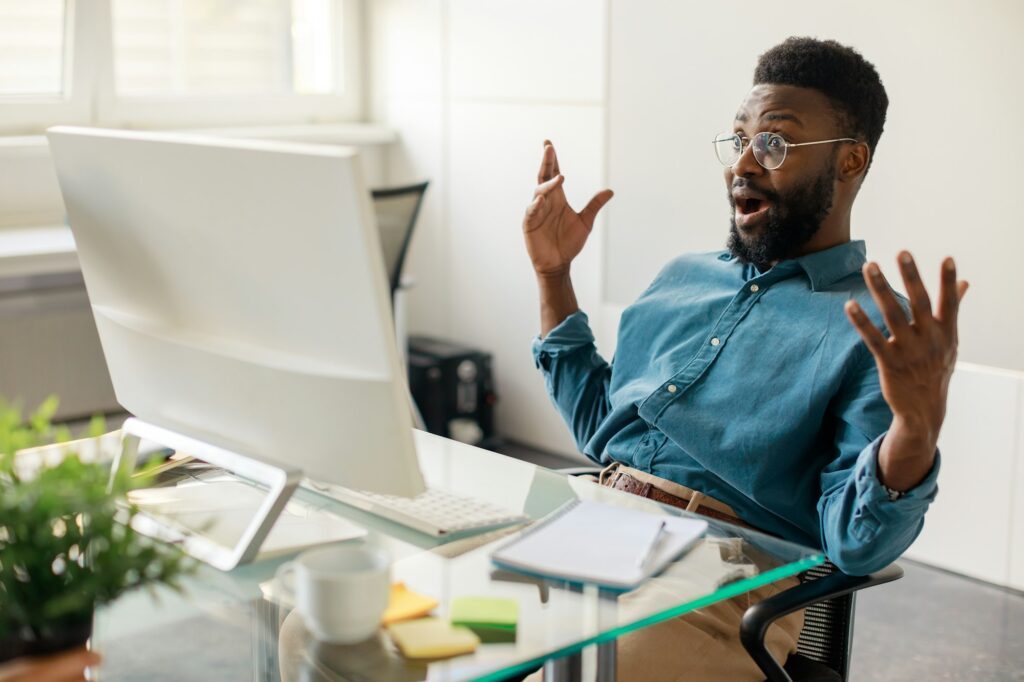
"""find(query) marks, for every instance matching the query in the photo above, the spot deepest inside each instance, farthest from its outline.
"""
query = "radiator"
(49, 345)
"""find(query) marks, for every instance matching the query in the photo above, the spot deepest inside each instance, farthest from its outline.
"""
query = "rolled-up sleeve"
(575, 375)
(862, 530)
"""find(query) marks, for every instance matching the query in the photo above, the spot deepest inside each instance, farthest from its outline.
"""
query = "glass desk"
(233, 625)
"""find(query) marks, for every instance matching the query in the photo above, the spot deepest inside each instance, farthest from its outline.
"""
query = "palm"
(554, 232)
(917, 359)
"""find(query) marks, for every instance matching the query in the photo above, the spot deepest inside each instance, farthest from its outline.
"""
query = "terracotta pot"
(69, 636)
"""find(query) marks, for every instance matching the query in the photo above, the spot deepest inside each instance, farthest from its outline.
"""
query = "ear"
(854, 162)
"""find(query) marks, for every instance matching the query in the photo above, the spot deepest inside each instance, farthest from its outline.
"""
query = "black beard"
(791, 222)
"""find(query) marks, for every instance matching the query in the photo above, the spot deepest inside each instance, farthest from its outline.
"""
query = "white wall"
(474, 89)
(976, 524)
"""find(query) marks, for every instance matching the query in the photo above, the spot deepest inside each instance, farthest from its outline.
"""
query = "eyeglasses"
(769, 148)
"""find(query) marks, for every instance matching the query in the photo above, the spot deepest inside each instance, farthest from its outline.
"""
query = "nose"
(747, 166)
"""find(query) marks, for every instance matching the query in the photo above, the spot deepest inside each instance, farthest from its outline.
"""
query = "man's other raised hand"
(554, 232)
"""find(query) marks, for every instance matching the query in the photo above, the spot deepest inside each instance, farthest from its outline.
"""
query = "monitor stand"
(280, 480)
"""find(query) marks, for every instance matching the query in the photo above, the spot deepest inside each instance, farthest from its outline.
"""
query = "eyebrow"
(741, 117)
(784, 117)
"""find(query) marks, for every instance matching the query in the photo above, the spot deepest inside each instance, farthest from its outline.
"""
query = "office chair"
(823, 651)
(396, 209)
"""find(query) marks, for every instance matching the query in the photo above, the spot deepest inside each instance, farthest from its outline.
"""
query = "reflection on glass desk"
(236, 626)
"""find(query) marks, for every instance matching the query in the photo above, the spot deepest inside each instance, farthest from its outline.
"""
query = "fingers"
(554, 157)
(872, 335)
(544, 172)
(551, 184)
(589, 212)
(950, 293)
(534, 215)
(548, 163)
(892, 313)
(920, 302)
(534, 208)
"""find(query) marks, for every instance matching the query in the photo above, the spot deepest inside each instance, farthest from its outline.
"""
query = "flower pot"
(67, 636)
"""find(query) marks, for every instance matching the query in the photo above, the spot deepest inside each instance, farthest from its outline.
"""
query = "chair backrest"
(828, 626)
(396, 209)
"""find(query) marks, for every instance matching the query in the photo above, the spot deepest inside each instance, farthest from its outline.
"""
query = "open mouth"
(751, 211)
(750, 206)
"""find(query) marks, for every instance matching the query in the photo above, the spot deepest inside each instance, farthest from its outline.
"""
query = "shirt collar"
(825, 268)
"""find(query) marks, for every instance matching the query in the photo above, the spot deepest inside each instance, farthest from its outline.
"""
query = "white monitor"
(239, 293)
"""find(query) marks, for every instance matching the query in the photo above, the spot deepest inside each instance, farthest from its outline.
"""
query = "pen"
(649, 552)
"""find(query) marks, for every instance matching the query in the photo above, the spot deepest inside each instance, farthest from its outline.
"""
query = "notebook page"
(600, 543)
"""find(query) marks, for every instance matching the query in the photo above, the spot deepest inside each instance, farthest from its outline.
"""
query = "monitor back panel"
(239, 293)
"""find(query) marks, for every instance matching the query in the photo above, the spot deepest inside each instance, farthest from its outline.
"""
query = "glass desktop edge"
(731, 590)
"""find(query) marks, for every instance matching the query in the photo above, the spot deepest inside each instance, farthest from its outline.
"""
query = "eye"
(775, 142)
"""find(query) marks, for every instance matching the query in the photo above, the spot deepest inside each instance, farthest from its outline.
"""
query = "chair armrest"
(761, 615)
(580, 471)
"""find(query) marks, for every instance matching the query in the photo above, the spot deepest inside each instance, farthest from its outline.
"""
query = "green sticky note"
(484, 612)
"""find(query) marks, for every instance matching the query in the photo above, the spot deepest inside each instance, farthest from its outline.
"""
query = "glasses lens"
(769, 150)
(728, 148)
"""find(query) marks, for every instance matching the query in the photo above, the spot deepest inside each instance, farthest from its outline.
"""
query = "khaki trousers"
(702, 645)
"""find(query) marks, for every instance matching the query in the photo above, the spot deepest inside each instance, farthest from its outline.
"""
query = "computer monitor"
(239, 293)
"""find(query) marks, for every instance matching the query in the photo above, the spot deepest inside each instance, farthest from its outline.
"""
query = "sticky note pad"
(432, 638)
(493, 619)
(405, 604)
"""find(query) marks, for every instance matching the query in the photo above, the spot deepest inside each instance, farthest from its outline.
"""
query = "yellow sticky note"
(405, 604)
(432, 638)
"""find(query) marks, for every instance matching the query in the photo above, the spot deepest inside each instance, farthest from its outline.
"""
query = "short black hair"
(840, 73)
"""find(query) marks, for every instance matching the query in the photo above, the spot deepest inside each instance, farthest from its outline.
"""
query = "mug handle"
(283, 580)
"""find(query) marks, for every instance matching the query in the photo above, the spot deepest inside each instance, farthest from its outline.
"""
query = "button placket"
(676, 385)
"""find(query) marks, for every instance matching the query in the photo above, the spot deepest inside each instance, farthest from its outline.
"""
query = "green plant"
(66, 543)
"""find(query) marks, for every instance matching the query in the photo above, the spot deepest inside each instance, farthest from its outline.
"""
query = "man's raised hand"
(914, 364)
(554, 232)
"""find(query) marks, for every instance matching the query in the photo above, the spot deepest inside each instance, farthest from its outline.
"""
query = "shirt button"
(671, 388)
(715, 341)
(754, 288)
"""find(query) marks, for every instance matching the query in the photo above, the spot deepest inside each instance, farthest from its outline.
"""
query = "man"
(737, 387)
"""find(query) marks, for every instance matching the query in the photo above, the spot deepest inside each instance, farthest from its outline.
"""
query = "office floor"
(930, 625)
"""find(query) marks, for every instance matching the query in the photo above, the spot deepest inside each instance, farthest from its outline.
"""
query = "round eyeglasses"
(769, 148)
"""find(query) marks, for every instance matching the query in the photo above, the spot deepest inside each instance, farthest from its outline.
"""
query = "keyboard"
(434, 512)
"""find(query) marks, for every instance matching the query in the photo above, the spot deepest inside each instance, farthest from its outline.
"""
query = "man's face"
(776, 212)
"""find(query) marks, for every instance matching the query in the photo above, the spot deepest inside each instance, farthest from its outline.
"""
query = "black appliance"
(453, 387)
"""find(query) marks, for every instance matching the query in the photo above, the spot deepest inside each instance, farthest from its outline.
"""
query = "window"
(176, 63)
(248, 47)
(31, 48)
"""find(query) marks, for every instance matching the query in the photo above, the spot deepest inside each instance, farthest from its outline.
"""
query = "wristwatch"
(893, 494)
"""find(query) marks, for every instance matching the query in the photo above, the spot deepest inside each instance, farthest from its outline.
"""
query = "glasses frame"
(785, 152)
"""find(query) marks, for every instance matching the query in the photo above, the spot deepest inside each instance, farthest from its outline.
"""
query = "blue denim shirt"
(753, 388)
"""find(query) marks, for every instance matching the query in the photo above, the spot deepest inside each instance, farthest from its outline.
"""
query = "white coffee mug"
(341, 591)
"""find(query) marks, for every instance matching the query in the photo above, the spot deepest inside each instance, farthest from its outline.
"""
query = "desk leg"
(565, 669)
(606, 661)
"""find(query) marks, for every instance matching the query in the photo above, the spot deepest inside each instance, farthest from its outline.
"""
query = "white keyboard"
(435, 512)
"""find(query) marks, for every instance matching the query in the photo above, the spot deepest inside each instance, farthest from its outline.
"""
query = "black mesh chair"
(823, 652)
(396, 209)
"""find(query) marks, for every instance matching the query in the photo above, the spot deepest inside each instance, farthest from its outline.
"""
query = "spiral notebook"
(591, 542)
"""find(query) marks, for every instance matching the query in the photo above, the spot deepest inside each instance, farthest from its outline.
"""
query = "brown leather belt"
(623, 481)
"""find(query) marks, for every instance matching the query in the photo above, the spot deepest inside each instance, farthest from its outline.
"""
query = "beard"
(792, 219)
